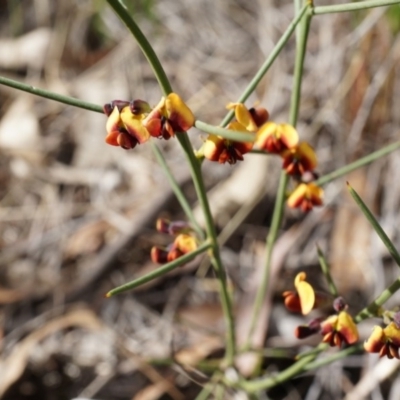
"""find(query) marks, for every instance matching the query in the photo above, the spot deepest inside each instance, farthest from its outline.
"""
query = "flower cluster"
(217, 148)
(385, 341)
(132, 123)
(299, 158)
(184, 242)
(335, 329)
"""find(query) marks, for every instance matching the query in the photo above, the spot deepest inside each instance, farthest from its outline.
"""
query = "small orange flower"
(385, 341)
(217, 148)
(124, 124)
(171, 115)
(306, 196)
(276, 138)
(303, 300)
(299, 159)
(182, 244)
(339, 329)
(250, 119)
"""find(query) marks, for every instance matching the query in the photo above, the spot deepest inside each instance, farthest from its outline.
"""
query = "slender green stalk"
(225, 133)
(197, 177)
(361, 5)
(71, 101)
(334, 357)
(177, 190)
(281, 194)
(212, 236)
(298, 70)
(282, 377)
(120, 9)
(372, 310)
(325, 270)
(357, 164)
(268, 62)
(375, 224)
(272, 236)
(160, 271)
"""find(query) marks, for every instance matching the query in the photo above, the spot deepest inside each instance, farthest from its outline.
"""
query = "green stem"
(298, 71)
(361, 5)
(325, 270)
(177, 190)
(272, 236)
(71, 101)
(281, 194)
(268, 62)
(373, 308)
(229, 134)
(284, 376)
(197, 177)
(335, 357)
(357, 164)
(375, 224)
(160, 271)
(212, 236)
(120, 9)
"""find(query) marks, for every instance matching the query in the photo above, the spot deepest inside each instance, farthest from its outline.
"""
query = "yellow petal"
(288, 135)
(347, 327)
(178, 113)
(244, 117)
(185, 243)
(307, 156)
(392, 333)
(133, 124)
(213, 147)
(376, 341)
(307, 297)
(113, 121)
(297, 196)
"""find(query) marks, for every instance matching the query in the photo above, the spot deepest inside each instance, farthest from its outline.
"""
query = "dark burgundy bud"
(339, 304)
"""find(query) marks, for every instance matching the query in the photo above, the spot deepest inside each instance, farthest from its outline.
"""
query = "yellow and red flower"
(299, 159)
(217, 148)
(306, 196)
(249, 119)
(338, 329)
(182, 244)
(385, 341)
(303, 300)
(171, 115)
(124, 124)
(276, 138)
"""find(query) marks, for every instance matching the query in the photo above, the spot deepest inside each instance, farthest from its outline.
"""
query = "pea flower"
(385, 341)
(171, 115)
(303, 300)
(306, 196)
(276, 138)
(124, 124)
(182, 244)
(217, 148)
(299, 159)
(338, 329)
(249, 119)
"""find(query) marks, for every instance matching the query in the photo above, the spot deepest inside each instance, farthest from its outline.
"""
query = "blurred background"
(77, 216)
